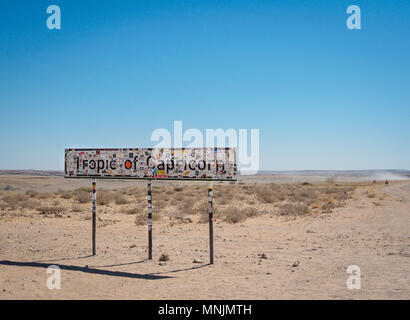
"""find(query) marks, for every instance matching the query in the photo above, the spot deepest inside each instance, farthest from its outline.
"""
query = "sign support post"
(211, 222)
(149, 220)
(94, 212)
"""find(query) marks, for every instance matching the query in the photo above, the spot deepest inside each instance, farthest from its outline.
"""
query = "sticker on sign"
(152, 163)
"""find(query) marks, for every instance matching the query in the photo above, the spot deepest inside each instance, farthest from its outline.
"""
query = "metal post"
(211, 223)
(94, 211)
(149, 220)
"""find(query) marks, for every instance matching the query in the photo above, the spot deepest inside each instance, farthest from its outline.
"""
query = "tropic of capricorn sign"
(212, 164)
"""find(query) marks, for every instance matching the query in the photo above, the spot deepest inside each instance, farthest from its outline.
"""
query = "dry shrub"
(267, 196)
(105, 197)
(50, 210)
(234, 214)
(76, 208)
(308, 193)
(120, 199)
(178, 189)
(251, 212)
(44, 195)
(32, 194)
(29, 204)
(3, 205)
(66, 195)
(13, 200)
(82, 197)
(202, 207)
(159, 205)
(135, 210)
(83, 189)
(342, 196)
(371, 195)
(186, 207)
(328, 206)
(140, 219)
(293, 209)
(224, 199)
(330, 190)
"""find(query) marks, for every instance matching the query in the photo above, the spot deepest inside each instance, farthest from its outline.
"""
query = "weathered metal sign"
(148, 163)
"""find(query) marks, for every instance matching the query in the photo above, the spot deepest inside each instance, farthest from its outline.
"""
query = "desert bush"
(82, 197)
(186, 207)
(120, 199)
(44, 195)
(32, 193)
(50, 210)
(66, 195)
(233, 214)
(13, 199)
(293, 209)
(76, 208)
(342, 196)
(3, 205)
(178, 189)
(29, 204)
(83, 189)
(141, 219)
(267, 195)
(371, 195)
(135, 210)
(105, 197)
(251, 212)
(159, 204)
(328, 206)
(308, 193)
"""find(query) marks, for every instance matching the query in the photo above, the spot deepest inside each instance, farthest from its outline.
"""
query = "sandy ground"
(375, 238)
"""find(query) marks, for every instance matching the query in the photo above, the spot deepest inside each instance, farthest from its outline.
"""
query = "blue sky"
(322, 96)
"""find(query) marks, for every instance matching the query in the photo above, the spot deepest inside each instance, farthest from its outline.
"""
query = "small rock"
(310, 231)
(295, 264)
(162, 264)
(268, 273)
(263, 256)
(164, 257)
(133, 246)
(197, 260)
(86, 266)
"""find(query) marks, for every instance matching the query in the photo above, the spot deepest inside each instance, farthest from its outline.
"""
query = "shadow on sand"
(85, 269)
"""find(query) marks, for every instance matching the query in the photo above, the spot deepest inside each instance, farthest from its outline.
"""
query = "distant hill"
(33, 172)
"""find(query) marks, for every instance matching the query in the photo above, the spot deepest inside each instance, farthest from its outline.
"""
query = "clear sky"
(322, 96)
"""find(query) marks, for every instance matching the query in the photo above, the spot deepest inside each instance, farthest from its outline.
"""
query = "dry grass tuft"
(82, 197)
(76, 208)
(66, 195)
(105, 197)
(50, 210)
(233, 214)
(293, 209)
(120, 199)
(29, 204)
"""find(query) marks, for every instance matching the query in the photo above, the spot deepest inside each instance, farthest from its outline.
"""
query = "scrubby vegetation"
(233, 203)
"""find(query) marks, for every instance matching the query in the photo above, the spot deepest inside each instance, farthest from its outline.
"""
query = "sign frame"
(235, 173)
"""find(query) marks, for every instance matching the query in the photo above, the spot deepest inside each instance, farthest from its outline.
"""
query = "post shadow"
(84, 269)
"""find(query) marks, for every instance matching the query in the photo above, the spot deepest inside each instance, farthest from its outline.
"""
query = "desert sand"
(305, 255)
